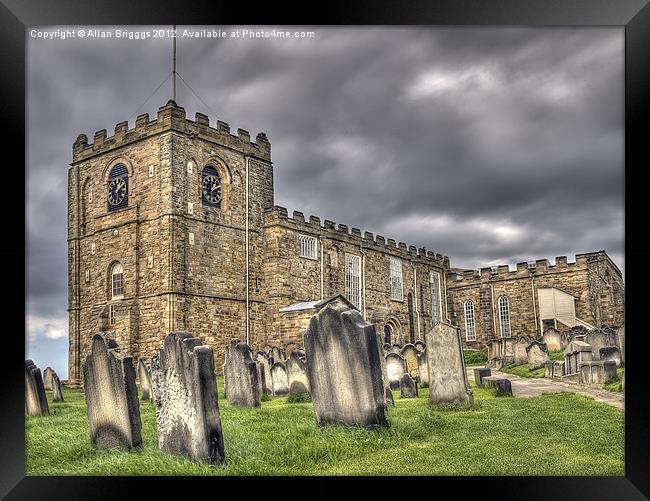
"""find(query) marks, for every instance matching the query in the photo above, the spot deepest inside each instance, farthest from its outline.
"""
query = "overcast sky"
(491, 145)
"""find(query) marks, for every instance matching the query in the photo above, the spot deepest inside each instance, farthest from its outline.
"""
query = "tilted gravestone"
(111, 398)
(265, 368)
(410, 355)
(56, 388)
(48, 378)
(185, 393)
(344, 368)
(144, 375)
(423, 369)
(279, 379)
(297, 375)
(396, 367)
(553, 339)
(241, 376)
(35, 399)
(408, 387)
(521, 343)
(537, 355)
(447, 377)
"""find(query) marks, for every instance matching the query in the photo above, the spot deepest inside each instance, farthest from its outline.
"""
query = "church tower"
(165, 229)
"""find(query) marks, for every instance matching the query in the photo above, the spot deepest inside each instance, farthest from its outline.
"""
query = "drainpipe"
(415, 297)
(322, 267)
(246, 157)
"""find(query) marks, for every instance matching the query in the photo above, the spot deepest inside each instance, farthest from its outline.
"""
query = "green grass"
(556, 355)
(282, 439)
(523, 370)
(617, 384)
(473, 357)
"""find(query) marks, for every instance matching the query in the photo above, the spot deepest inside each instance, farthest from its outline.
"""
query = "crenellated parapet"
(278, 215)
(172, 117)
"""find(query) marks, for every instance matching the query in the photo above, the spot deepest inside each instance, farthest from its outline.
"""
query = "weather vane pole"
(174, 67)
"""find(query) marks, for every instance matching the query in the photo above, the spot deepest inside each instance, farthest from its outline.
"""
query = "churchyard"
(341, 405)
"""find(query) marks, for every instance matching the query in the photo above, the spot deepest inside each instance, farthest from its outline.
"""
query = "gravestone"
(501, 385)
(111, 397)
(297, 375)
(277, 355)
(240, 375)
(48, 378)
(423, 369)
(395, 367)
(620, 341)
(185, 393)
(265, 368)
(611, 353)
(279, 379)
(537, 355)
(521, 343)
(553, 339)
(481, 373)
(35, 399)
(384, 376)
(344, 368)
(56, 387)
(447, 377)
(144, 375)
(290, 348)
(410, 355)
(599, 338)
(408, 387)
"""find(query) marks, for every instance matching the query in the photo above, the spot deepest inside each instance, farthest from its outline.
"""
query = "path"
(532, 387)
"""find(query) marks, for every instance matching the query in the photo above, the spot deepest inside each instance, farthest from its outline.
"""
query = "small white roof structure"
(303, 305)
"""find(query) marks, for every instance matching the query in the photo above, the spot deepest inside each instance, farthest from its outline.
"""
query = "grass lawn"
(617, 384)
(523, 370)
(475, 357)
(560, 434)
(556, 355)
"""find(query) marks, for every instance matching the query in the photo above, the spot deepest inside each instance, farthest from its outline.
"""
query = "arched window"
(504, 316)
(118, 188)
(388, 334)
(211, 193)
(117, 281)
(470, 327)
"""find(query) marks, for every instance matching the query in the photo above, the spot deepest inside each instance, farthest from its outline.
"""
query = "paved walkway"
(532, 387)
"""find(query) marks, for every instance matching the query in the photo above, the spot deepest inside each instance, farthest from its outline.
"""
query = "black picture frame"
(633, 15)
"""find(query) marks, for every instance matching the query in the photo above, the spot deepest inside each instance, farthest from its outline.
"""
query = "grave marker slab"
(279, 379)
(35, 399)
(537, 355)
(481, 373)
(408, 387)
(241, 376)
(48, 378)
(396, 367)
(297, 375)
(144, 375)
(265, 368)
(56, 386)
(423, 369)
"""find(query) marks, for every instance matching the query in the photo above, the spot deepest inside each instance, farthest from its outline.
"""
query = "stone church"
(172, 227)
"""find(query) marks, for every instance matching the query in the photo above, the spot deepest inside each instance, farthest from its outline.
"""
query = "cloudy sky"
(488, 145)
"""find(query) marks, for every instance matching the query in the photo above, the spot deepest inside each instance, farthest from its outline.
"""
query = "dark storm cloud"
(487, 145)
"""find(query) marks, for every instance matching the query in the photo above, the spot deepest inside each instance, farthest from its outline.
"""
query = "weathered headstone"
(144, 375)
(447, 377)
(48, 378)
(521, 344)
(481, 373)
(35, 399)
(240, 375)
(56, 388)
(423, 369)
(111, 398)
(279, 379)
(537, 355)
(297, 375)
(384, 375)
(278, 356)
(553, 339)
(185, 394)
(289, 349)
(344, 368)
(408, 387)
(611, 353)
(599, 338)
(265, 367)
(396, 367)
(261, 378)
(410, 355)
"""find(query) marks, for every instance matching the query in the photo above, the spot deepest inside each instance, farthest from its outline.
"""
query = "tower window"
(117, 281)
(353, 280)
(118, 188)
(504, 316)
(211, 187)
(470, 327)
(111, 314)
(396, 291)
(307, 246)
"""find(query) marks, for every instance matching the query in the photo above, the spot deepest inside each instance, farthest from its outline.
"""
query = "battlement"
(172, 117)
(460, 277)
(278, 215)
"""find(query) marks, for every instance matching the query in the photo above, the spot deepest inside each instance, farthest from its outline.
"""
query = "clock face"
(211, 189)
(116, 191)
